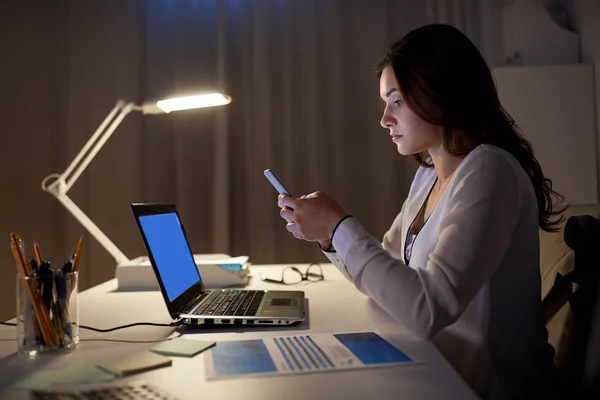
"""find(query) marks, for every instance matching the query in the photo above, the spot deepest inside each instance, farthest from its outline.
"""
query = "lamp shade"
(186, 103)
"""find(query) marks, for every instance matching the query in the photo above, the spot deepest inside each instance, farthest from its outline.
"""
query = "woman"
(460, 263)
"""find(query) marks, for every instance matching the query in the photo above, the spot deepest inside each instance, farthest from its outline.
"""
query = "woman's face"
(411, 134)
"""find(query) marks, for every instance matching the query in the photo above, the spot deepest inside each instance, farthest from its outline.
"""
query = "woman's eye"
(398, 103)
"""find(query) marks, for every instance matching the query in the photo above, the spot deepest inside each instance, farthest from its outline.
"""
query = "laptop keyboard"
(232, 302)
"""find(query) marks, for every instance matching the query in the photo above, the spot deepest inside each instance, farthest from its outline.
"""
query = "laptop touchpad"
(281, 301)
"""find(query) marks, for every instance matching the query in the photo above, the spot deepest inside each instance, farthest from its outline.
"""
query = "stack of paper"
(217, 271)
(231, 264)
(220, 272)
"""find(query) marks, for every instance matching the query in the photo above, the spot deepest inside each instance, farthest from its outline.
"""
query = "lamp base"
(217, 271)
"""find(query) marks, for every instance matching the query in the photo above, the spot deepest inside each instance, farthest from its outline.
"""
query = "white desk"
(334, 306)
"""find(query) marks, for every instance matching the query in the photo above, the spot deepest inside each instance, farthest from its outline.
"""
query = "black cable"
(176, 323)
(130, 341)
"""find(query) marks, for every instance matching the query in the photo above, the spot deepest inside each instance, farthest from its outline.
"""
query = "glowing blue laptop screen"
(171, 252)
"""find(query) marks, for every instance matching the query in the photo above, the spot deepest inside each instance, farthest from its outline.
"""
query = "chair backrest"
(557, 266)
(591, 378)
(582, 234)
(556, 262)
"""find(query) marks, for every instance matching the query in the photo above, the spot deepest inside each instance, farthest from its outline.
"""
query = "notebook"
(182, 288)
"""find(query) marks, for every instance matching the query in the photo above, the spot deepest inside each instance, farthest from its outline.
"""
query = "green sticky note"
(38, 380)
(44, 379)
(182, 347)
(87, 374)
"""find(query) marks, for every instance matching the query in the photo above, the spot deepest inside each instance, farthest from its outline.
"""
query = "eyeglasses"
(293, 275)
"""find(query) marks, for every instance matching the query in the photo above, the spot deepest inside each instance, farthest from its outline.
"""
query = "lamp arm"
(92, 228)
(100, 139)
(64, 181)
(91, 140)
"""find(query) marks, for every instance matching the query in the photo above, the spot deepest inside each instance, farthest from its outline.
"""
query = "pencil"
(78, 254)
(19, 253)
(21, 249)
(38, 253)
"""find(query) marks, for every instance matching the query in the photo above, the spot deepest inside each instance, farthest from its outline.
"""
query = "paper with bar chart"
(302, 354)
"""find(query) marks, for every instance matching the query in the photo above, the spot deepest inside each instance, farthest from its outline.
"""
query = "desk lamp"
(63, 182)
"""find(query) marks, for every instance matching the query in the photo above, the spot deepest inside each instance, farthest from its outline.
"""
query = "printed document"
(302, 354)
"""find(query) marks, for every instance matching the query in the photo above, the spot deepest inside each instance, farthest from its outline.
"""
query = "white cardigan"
(473, 284)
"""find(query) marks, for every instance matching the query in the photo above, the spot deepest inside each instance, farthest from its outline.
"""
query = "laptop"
(183, 290)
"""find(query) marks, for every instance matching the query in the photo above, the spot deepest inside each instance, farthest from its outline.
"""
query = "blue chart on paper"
(243, 357)
(370, 348)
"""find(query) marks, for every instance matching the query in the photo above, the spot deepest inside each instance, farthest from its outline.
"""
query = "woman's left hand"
(313, 217)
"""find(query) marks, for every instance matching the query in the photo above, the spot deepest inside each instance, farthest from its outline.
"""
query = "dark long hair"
(444, 80)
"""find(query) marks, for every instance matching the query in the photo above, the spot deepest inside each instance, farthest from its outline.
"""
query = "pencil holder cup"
(47, 312)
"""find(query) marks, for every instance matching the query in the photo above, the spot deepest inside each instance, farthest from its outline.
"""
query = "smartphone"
(276, 182)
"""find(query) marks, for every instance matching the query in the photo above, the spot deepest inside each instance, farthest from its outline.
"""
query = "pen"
(61, 302)
(67, 267)
(46, 278)
(34, 277)
(34, 266)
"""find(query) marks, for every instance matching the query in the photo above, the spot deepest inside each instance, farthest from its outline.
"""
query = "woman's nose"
(387, 121)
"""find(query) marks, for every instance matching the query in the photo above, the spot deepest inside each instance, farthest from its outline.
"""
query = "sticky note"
(37, 380)
(182, 347)
(85, 374)
(44, 379)
(136, 363)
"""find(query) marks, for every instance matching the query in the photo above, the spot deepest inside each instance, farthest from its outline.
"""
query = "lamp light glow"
(189, 102)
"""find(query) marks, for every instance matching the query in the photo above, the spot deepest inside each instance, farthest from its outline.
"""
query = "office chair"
(582, 235)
